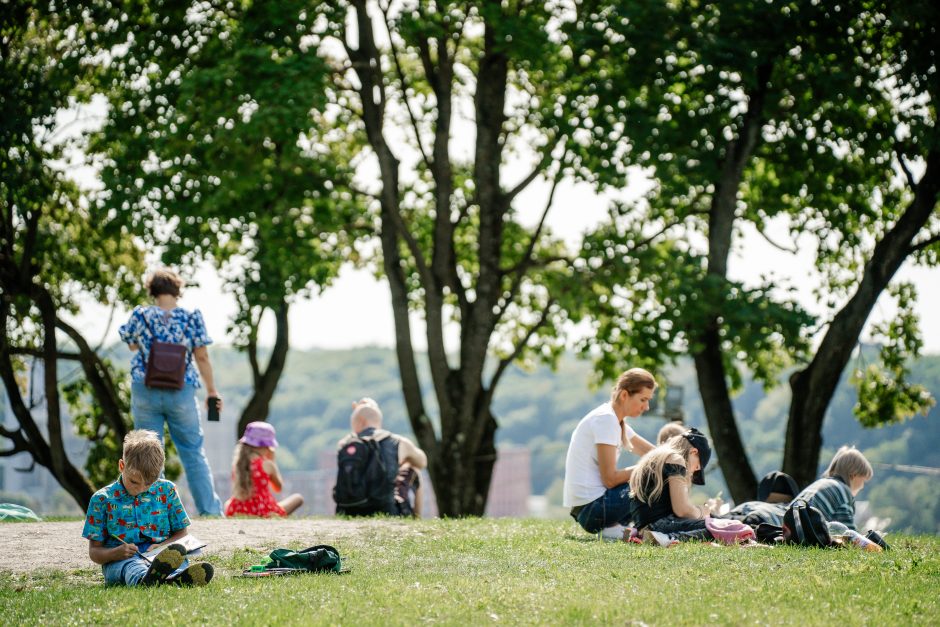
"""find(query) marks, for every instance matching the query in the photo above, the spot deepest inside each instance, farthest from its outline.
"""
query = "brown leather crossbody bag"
(166, 363)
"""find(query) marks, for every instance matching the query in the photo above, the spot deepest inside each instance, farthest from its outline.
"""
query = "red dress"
(261, 502)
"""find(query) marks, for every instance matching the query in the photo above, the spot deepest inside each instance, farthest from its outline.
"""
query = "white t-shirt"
(583, 482)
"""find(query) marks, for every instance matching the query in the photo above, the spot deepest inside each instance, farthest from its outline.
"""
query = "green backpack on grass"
(316, 559)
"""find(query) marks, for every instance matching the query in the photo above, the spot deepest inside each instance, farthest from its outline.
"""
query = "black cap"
(700, 442)
(776, 481)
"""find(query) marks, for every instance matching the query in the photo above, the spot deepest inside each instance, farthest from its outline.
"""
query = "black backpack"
(363, 486)
(805, 525)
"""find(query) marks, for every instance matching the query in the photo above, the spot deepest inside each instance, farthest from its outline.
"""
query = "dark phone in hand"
(214, 408)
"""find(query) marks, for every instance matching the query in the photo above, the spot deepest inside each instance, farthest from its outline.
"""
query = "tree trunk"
(102, 384)
(265, 383)
(462, 481)
(29, 437)
(814, 386)
(716, 400)
(709, 364)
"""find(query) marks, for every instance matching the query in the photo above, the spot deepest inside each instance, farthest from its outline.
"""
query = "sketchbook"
(192, 544)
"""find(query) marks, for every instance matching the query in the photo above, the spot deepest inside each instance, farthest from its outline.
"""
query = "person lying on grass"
(833, 494)
(659, 488)
(135, 513)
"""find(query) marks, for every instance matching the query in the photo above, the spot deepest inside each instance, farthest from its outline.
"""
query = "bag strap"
(153, 336)
(320, 546)
(797, 510)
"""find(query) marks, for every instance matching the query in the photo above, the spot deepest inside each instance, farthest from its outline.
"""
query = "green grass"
(518, 572)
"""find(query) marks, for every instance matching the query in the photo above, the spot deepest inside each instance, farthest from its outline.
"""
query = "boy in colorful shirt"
(134, 513)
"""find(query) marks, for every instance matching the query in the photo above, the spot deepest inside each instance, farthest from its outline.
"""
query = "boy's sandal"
(163, 565)
(195, 575)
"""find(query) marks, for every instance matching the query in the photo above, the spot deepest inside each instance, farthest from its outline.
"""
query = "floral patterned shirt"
(150, 517)
(178, 326)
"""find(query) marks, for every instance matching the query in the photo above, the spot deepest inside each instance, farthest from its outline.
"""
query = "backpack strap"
(797, 508)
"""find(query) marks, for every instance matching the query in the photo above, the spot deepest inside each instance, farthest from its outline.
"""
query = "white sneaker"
(613, 533)
(658, 537)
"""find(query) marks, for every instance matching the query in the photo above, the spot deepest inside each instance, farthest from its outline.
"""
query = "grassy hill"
(485, 571)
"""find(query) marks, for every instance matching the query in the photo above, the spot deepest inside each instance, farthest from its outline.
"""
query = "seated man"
(377, 471)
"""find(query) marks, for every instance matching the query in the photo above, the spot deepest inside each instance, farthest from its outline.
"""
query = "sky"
(356, 310)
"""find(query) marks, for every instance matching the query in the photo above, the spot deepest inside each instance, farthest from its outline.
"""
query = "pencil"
(147, 559)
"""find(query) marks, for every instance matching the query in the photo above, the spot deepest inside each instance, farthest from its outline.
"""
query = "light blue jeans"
(127, 572)
(179, 409)
(131, 571)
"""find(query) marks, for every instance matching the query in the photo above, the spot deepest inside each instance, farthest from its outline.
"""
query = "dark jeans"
(611, 508)
(682, 528)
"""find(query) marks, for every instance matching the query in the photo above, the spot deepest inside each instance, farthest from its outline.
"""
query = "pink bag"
(729, 531)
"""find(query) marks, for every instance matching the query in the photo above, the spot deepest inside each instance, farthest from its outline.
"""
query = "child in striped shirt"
(834, 494)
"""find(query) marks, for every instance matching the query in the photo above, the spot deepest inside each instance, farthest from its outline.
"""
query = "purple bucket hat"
(259, 434)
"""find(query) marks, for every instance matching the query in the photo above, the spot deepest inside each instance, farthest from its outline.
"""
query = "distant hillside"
(539, 409)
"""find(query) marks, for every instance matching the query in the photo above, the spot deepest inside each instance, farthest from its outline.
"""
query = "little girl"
(254, 475)
(660, 486)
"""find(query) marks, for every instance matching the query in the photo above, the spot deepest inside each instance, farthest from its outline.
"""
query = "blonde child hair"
(646, 483)
(669, 430)
(143, 453)
(242, 486)
(849, 462)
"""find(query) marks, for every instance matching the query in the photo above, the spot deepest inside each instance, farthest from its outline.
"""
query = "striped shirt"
(831, 496)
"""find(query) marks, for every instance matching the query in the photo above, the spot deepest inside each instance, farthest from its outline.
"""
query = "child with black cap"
(660, 487)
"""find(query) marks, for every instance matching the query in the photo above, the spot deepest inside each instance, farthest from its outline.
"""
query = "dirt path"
(60, 545)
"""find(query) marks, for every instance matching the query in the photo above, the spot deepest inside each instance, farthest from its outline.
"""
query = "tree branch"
(520, 346)
(906, 170)
(919, 246)
(20, 445)
(775, 244)
(35, 352)
(519, 270)
(404, 89)
(538, 169)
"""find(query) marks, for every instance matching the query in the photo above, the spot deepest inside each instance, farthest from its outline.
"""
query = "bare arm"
(607, 462)
(274, 475)
(201, 353)
(682, 506)
(408, 452)
(101, 555)
(641, 446)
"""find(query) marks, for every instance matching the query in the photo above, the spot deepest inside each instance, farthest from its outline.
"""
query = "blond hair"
(633, 381)
(646, 482)
(849, 462)
(669, 430)
(143, 453)
(242, 486)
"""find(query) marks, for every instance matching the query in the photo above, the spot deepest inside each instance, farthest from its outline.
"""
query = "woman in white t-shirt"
(598, 492)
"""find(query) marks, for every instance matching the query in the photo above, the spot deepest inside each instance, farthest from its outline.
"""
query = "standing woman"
(152, 407)
(598, 492)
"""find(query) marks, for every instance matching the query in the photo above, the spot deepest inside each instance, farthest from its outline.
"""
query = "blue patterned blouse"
(178, 326)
